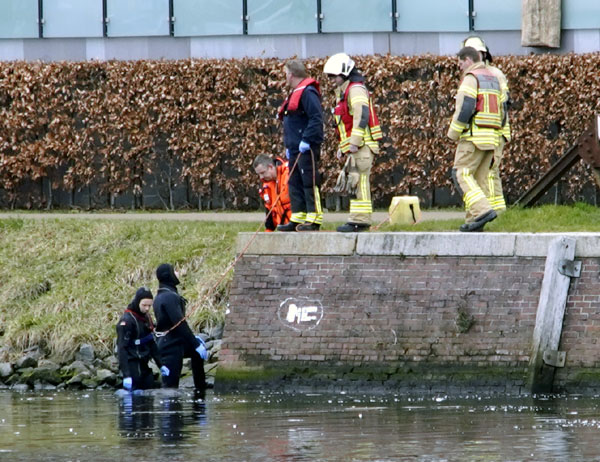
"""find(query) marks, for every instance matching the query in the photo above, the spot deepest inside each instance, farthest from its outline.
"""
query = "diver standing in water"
(136, 345)
(176, 339)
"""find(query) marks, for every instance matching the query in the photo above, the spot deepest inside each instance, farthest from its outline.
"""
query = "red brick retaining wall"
(436, 322)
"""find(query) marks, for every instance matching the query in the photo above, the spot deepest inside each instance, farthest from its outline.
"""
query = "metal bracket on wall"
(569, 268)
(555, 358)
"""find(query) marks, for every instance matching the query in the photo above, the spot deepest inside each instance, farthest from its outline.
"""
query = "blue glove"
(128, 383)
(164, 371)
(202, 351)
(304, 146)
(287, 154)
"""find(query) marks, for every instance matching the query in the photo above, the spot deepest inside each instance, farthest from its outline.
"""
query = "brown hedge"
(111, 124)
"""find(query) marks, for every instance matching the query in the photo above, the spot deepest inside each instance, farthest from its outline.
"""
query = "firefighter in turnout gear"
(302, 117)
(359, 132)
(496, 196)
(274, 191)
(477, 126)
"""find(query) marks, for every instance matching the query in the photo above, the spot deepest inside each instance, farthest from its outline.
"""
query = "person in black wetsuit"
(176, 339)
(136, 345)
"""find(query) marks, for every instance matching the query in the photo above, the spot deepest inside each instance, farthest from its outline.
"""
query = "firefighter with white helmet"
(496, 196)
(359, 132)
(476, 125)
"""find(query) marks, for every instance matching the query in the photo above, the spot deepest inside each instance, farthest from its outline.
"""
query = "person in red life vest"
(274, 191)
(359, 132)
(302, 117)
(136, 345)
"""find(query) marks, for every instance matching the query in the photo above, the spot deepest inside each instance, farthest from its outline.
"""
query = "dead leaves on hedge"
(110, 124)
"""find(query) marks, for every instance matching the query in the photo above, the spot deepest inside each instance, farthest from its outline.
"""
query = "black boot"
(353, 228)
(291, 226)
(479, 222)
(308, 227)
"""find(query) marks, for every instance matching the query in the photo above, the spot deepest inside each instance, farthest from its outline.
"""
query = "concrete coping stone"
(413, 244)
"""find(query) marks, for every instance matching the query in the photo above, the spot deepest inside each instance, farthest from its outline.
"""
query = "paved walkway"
(328, 217)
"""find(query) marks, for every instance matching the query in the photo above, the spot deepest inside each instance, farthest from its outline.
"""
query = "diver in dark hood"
(136, 345)
(179, 340)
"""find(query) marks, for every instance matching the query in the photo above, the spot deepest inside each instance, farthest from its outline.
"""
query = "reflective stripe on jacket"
(475, 104)
(506, 95)
(355, 117)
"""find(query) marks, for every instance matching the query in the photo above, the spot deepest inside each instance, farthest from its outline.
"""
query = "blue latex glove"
(287, 154)
(164, 371)
(202, 350)
(128, 383)
(304, 146)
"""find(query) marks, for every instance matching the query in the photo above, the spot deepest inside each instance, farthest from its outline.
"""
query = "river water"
(104, 426)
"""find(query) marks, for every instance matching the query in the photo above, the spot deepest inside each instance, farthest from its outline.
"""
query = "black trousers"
(172, 357)
(141, 375)
(300, 182)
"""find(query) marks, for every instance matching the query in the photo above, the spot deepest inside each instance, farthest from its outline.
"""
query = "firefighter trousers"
(470, 173)
(303, 186)
(496, 196)
(361, 207)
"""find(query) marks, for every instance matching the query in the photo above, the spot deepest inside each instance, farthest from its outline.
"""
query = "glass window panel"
(19, 19)
(208, 17)
(581, 14)
(356, 15)
(504, 15)
(72, 18)
(134, 18)
(433, 15)
(278, 17)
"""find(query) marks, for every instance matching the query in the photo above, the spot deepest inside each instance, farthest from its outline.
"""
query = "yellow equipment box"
(404, 210)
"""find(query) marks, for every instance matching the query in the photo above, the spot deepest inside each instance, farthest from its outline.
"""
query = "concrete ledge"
(414, 244)
(439, 244)
(321, 243)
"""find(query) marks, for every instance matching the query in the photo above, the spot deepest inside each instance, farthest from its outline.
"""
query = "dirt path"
(328, 217)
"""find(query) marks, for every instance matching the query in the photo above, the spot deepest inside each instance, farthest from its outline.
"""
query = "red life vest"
(292, 102)
(345, 120)
(272, 191)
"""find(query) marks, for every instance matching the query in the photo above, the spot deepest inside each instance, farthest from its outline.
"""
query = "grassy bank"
(65, 282)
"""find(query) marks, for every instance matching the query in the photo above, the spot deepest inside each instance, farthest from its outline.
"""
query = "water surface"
(90, 426)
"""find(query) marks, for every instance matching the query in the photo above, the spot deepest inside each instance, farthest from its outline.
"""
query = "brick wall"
(433, 321)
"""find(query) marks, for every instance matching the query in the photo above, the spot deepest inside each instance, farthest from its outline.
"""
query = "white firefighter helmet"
(475, 42)
(339, 64)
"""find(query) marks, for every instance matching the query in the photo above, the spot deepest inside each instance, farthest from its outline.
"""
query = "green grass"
(67, 281)
(64, 282)
(545, 219)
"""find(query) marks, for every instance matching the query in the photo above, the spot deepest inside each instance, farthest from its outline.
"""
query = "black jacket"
(304, 124)
(169, 309)
(131, 327)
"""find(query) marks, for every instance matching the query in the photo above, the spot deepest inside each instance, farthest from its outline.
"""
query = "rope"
(229, 268)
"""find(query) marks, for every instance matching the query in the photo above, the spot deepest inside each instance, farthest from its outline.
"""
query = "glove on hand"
(164, 371)
(202, 351)
(304, 146)
(340, 184)
(287, 154)
(128, 383)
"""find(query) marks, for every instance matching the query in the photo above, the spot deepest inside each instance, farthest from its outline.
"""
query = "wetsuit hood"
(166, 275)
(140, 294)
